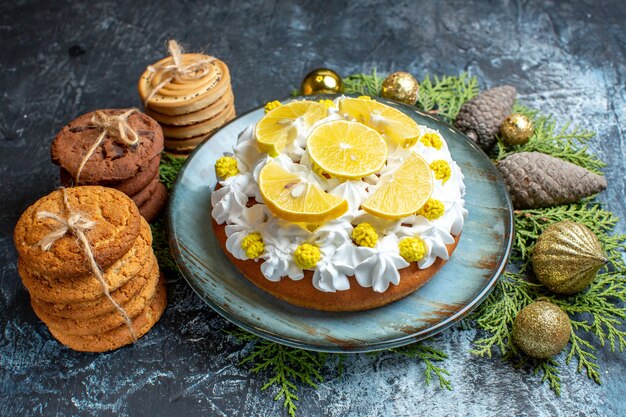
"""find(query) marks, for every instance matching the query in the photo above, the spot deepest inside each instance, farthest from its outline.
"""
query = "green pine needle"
(363, 84)
(169, 169)
(445, 95)
(284, 366)
(429, 355)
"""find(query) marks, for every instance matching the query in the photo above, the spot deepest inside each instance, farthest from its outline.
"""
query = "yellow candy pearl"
(412, 249)
(253, 245)
(226, 167)
(441, 169)
(364, 234)
(433, 209)
(306, 256)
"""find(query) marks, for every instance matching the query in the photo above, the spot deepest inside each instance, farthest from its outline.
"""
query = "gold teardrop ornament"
(567, 257)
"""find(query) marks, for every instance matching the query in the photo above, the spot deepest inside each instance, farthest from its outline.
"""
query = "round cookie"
(142, 196)
(302, 293)
(184, 96)
(129, 186)
(117, 225)
(120, 336)
(155, 204)
(202, 128)
(110, 161)
(101, 305)
(196, 116)
(70, 289)
(99, 324)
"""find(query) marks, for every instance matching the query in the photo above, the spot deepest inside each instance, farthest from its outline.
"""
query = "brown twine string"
(77, 224)
(116, 127)
(177, 71)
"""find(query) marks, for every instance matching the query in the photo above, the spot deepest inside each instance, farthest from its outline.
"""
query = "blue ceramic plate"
(464, 281)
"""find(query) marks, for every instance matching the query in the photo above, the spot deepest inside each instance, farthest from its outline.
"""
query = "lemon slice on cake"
(395, 125)
(403, 192)
(292, 198)
(345, 149)
(279, 127)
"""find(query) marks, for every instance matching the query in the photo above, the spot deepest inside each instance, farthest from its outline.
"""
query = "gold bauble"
(541, 329)
(401, 86)
(321, 81)
(516, 129)
(567, 257)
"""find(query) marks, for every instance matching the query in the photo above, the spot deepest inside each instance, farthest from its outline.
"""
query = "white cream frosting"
(376, 267)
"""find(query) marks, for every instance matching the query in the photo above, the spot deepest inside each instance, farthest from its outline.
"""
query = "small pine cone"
(481, 117)
(537, 180)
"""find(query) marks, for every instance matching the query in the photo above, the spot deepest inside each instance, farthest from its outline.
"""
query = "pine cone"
(481, 117)
(537, 180)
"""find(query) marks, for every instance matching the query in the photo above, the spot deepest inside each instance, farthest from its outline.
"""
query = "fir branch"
(548, 368)
(445, 95)
(429, 355)
(363, 84)
(161, 247)
(284, 366)
(497, 314)
(169, 169)
(567, 143)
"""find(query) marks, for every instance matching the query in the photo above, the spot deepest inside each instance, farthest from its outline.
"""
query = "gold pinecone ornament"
(567, 257)
(541, 329)
(536, 180)
(480, 118)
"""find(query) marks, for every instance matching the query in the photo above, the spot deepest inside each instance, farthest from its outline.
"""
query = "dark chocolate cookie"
(155, 204)
(111, 161)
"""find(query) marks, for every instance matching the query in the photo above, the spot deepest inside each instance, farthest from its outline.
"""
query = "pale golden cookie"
(197, 116)
(100, 324)
(117, 225)
(120, 336)
(202, 128)
(101, 305)
(182, 96)
(68, 289)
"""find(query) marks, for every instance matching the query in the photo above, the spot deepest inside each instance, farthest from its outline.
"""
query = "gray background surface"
(567, 58)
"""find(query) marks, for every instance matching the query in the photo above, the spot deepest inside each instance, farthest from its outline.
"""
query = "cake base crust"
(302, 293)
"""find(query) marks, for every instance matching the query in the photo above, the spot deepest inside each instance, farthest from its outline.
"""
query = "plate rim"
(335, 348)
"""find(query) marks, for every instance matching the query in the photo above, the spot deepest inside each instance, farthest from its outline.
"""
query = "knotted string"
(177, 71)
(77, 224)
(116, 127)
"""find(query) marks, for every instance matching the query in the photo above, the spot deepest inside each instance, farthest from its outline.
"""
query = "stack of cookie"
(118, 148)
(189, 95)
(86, 258)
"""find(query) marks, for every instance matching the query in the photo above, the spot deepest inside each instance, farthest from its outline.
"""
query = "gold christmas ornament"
(541, 329)
(567, 257)
(321, 81)
(516, 129)
(401, 86)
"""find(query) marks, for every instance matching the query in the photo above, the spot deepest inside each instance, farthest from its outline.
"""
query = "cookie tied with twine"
(107, 146)
(183, 82)
(77, 223)
(117, 226)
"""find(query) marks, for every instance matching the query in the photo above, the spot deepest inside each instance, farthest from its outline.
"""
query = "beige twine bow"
(116, 127)
(77, 224)
(177, 71)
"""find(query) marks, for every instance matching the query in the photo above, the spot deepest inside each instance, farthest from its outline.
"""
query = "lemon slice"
(347, 149)
(404, 192)
(395, 125)
(294, 199)
(279, 126)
